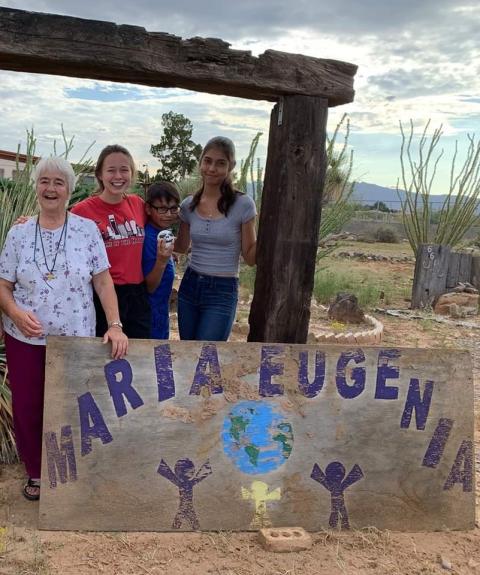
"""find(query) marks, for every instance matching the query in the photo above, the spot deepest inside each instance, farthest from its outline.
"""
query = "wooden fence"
(438, 270)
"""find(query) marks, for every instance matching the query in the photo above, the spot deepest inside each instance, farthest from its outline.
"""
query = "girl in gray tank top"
(219, 224)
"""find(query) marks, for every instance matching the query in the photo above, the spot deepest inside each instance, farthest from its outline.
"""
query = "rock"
(445, 563)
(345, 309)
(241, 328)
(466, 304)
(311, 338)
(285, 539)
(236, 327)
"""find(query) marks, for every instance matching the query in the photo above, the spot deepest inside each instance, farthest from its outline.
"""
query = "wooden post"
(475, 272)
(430, 277)
(459, 269)
(289, 220)
(465, 268)
(453, 270)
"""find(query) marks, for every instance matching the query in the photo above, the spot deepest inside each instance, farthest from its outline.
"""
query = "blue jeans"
(206, 306)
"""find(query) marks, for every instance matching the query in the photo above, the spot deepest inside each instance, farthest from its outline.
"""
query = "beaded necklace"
(50, 275)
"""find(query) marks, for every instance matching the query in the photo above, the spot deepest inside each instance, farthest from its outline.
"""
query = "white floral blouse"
(52, 272)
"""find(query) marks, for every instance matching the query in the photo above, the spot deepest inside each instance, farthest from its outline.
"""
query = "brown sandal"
(32, 485)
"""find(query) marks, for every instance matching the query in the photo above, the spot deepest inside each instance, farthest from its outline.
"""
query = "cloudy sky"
(418, 59)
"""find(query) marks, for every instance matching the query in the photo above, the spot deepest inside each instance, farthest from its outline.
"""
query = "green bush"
(328, 283)
(8, 450)
(387, 236)
(81, 192)
(247, 277)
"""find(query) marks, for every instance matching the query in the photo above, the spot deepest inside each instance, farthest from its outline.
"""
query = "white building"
(8, 166)
(8, 163)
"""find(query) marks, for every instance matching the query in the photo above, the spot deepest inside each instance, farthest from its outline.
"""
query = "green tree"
(177, 151)
(381, 207)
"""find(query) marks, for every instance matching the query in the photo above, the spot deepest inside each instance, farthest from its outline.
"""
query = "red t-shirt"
(123, 229)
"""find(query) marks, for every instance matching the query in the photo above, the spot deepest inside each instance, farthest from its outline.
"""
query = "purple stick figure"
(185, 478)
(333, 481)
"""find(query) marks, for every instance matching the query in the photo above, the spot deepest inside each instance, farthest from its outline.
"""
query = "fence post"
(475, 275)
(430, 278)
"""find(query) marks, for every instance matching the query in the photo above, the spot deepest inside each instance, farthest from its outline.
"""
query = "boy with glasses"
(162, 208)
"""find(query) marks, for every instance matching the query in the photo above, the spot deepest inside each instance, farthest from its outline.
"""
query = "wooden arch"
(302, 87)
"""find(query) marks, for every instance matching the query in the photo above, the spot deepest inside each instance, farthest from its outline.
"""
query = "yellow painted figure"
(260, 495)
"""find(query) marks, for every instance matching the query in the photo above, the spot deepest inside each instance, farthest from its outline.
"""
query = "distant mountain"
(368, 194)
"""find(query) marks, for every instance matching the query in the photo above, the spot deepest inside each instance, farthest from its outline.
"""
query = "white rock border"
(373, 335)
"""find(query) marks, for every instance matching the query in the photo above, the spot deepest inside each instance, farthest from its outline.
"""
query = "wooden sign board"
(236, 436)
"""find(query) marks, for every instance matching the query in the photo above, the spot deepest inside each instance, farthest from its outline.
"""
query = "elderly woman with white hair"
(48, 267)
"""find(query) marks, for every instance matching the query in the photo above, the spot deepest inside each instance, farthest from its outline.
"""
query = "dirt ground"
(24, 550)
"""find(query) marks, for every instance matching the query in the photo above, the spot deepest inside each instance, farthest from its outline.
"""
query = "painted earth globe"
(257, 437)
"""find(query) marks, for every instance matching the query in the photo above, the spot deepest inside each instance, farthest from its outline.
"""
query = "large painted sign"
(236, 436)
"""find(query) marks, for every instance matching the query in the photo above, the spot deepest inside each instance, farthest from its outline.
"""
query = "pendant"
(50, 276)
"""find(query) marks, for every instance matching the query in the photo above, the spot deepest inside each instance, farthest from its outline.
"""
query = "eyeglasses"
(163, 210)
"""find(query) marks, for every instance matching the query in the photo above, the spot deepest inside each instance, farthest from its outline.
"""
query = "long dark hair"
(228, 194)
(112, 149)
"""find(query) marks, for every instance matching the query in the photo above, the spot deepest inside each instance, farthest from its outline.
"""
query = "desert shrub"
(329, 282)
(387, 236)
(246, 277)
(8, 451)
(81, 192)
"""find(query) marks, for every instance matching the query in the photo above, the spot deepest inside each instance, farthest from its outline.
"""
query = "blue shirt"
(160, 297)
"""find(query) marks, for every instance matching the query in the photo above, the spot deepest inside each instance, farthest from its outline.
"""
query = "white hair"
(56, 164)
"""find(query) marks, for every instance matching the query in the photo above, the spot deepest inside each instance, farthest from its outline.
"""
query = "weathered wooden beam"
(289, 221)
(61, 45)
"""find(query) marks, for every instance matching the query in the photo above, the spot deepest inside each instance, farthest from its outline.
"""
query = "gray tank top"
(217, 243)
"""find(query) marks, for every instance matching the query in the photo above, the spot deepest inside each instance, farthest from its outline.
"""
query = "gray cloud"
(269, 18)
(417, 57)
(402, 83)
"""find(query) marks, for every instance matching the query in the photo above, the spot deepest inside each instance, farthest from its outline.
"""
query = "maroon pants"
(26, 373)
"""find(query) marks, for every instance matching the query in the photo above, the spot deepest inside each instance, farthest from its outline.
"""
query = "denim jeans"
(206, 306)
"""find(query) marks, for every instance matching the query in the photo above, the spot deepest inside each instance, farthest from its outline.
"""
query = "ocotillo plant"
(246, 169)
(419, 169)
(337, 209)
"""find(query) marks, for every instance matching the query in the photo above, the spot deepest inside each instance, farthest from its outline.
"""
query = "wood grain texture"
(53, 44)
(403, 469)
(430, 277)
(289, 221)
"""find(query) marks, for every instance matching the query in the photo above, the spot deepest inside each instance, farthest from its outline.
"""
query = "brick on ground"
(285, 539)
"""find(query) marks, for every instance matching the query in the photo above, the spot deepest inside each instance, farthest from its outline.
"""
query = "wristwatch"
(116, 324)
